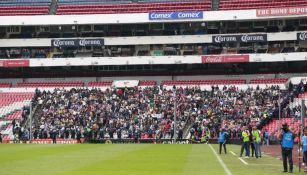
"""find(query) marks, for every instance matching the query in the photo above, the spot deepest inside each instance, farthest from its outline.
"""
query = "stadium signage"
(59, 141)
(302, 36)
(175, 15)
(239, 38)
(225, 59)
(76, 42)
(281, 11)
(14, 63)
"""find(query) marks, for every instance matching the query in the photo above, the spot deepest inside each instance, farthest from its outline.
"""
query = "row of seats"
(7, 98)
(147, 83)
(14, 116)
(51, 84)
(201, 82)
(10, 102)
(258, 4)
(24, 7)
(67, 7)
(101, 8)
(100, 83)
(5, 85)
(269, 81)
(274, 127)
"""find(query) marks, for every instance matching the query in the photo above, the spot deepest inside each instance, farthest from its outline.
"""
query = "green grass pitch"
(130, 159)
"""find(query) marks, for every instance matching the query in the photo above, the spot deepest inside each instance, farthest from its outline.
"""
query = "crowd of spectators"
(231, 109)
(113, 113)
(149, 113)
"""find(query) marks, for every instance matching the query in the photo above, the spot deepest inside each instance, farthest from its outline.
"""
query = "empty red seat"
(51, 84)
(100, 83)
(201, 82)
(133, 7)
(258, 4)
(269, 81)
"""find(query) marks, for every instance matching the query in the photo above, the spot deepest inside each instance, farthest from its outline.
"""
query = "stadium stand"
(24, 7)
(5, 85)
(51, 84)
(10, 102)
(100, 83)
(148, 83)
(98, 109)
(258, 4)
(202, 82)
(269, 81)
(67, 7)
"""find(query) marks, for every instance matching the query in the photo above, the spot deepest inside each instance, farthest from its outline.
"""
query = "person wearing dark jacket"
(287, 142)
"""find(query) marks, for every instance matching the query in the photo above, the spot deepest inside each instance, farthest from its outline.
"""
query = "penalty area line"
(227, 171)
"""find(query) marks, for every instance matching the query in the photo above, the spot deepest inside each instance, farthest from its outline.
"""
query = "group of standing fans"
(149, 112)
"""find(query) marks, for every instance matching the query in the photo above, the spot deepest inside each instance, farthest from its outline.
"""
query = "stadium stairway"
(186, 129)
(215, 5)
(37, 111)
(53, 7)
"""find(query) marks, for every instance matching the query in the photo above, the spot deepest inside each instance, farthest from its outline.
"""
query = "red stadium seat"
(133, 8)
(258, 4)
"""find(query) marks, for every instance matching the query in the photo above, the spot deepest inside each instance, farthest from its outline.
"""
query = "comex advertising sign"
(175, 15)
(76, 42)
(239, 38)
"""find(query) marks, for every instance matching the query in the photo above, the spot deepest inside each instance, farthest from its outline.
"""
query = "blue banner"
(175, 15)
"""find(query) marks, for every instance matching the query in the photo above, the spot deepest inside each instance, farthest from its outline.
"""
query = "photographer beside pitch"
(287, 142)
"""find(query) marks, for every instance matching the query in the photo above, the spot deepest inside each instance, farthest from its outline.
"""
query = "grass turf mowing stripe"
(155, 159)
(201, 160)
(221, 161)
(61, 158)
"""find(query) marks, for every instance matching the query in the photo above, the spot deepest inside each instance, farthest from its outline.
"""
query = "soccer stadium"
(153, 87)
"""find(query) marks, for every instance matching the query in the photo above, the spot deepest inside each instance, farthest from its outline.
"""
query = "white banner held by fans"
(125, 83)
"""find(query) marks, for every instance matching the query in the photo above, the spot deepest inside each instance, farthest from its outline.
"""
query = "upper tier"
(73, 7)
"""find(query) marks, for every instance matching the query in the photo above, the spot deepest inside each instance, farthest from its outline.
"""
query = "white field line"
(232, 153)
(227, 171)
(243, 161)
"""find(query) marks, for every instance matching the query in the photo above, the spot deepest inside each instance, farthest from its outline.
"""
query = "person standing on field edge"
(222, 140)
(304, 145)
(266, 137)
(0, 137)
(257, 141)
(245, 144)
(287, 142)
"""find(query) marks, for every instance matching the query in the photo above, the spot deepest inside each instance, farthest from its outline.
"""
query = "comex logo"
(303, 36)
(175, 15)
(183, 15)
(161, 15)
